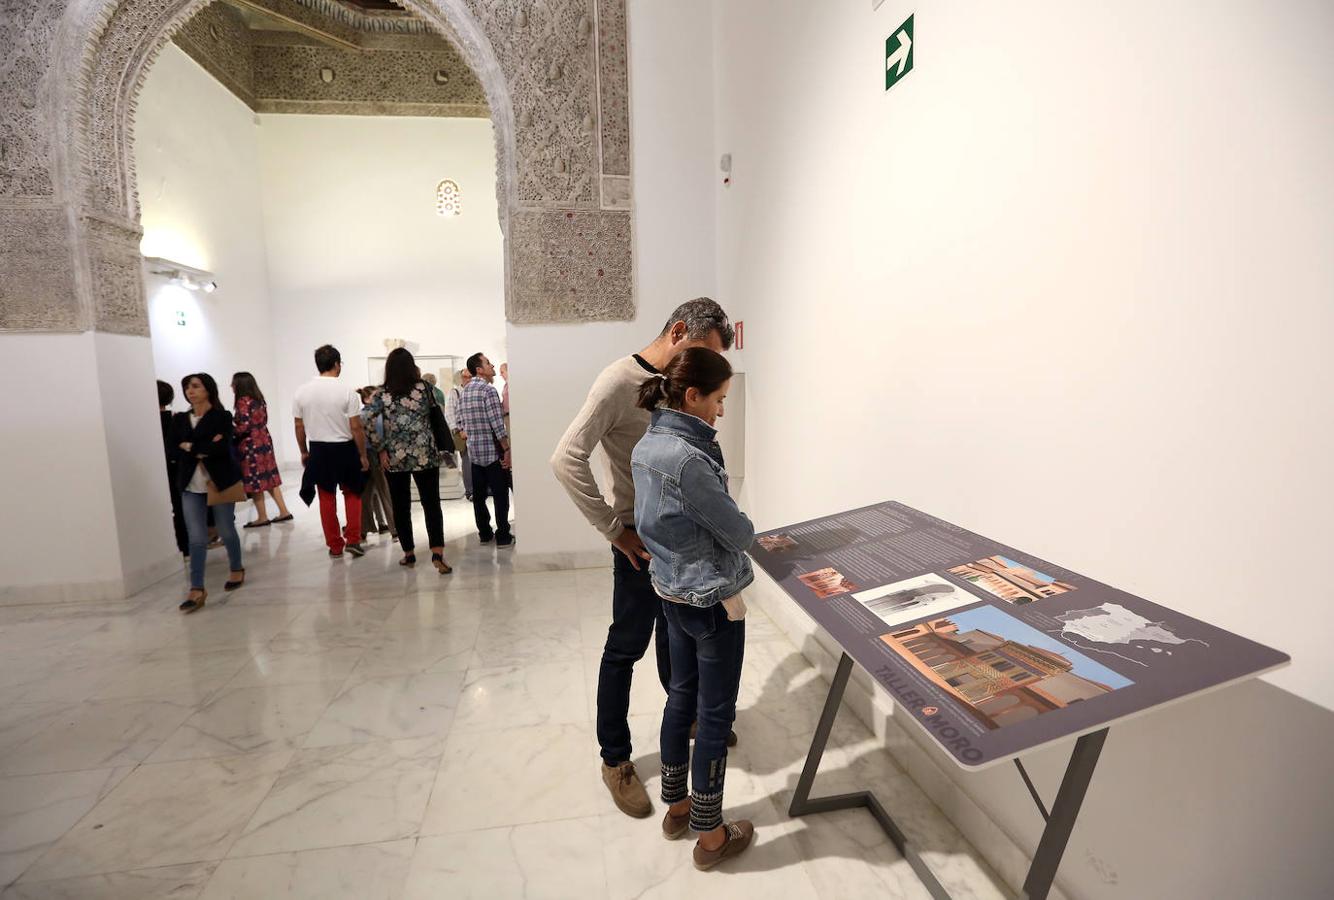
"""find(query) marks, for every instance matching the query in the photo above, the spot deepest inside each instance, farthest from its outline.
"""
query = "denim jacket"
(692, 527)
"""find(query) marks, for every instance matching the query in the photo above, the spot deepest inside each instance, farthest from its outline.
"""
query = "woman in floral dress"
(408, 452)
(254, 446)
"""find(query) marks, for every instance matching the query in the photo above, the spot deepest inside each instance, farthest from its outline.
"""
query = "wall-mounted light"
(188, 277)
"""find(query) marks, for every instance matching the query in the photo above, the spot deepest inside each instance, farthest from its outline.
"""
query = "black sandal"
(438, 560)
(194, 604)
(233, 585)
(409, 560)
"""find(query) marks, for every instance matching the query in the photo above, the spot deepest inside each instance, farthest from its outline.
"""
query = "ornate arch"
(555, 76)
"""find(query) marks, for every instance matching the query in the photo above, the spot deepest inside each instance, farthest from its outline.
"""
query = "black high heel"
(438, 560)
(194, 604)
(409, 560)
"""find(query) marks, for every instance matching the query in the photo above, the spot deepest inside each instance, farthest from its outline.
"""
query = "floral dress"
(407, 434)
(254, 445)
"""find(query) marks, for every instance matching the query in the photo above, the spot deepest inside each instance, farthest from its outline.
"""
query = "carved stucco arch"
(555, 76)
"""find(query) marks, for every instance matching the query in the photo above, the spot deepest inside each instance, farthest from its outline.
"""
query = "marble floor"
(349, 728)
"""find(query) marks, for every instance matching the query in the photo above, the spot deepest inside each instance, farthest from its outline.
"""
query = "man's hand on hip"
(633, 548)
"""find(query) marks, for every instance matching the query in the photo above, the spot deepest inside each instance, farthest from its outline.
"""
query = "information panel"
(991, 650)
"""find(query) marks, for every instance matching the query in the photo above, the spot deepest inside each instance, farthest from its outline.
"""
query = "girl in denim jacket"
(698, 538)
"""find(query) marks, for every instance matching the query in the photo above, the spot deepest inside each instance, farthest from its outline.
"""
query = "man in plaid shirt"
(482, 421)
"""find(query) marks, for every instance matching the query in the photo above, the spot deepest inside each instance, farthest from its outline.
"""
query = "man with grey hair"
(610, 417)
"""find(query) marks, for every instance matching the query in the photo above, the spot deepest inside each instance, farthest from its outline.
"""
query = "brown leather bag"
(234, 494)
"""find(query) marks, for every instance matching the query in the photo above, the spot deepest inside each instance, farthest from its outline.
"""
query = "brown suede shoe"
(627, 791)
(675, 826)
(739, 835)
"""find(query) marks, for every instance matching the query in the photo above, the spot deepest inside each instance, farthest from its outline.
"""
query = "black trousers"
(400, 496)
(636, 616)
(178, 517)
(494, 480)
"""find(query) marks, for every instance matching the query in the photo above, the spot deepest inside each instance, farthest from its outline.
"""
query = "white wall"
(357, 252)
(197, 157)
(1075, 271)
(671, 119)
(60, 489)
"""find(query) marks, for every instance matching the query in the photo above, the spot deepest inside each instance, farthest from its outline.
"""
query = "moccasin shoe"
(739, 836)
(675, 826)
(627, 791)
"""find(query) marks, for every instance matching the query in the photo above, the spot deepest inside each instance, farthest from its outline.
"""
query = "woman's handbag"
(234, 494)
(444, 442)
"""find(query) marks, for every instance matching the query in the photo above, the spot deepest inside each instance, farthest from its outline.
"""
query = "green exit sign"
(898, 54)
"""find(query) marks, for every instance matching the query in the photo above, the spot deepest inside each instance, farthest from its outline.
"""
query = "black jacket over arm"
(216, 455)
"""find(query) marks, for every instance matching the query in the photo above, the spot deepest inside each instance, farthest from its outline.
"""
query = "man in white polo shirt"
(328, 413)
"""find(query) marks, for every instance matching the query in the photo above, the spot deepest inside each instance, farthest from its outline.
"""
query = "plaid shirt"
(481, 418)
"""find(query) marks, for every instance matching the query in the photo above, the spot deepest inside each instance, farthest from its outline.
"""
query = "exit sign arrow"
(898, 54)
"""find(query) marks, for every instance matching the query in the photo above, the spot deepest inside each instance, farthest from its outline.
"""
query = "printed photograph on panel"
(1011, 581)
(776, 543)
(827, 582)
(914, 598)
(1002, 670)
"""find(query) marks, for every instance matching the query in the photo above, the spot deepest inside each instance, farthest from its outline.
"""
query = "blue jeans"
(635, 611)
(707, 650)
(195, 507)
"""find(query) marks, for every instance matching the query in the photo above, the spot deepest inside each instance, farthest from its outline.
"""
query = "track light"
(188, 277)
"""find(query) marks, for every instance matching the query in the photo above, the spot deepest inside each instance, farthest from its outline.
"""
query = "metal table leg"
(1078, 774)
(802, 803)
(1055, 836)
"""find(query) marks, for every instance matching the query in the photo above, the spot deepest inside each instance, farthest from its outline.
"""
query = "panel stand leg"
(1060, 823)
(1064, 811)
(803, 804)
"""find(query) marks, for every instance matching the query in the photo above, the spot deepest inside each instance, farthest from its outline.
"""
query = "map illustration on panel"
(1011, 581)
(1003, 670)
(914, 598)
(1111, 623)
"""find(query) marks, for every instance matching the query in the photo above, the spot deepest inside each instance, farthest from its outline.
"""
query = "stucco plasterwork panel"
(614, 87)
(552, 76)
(27, 30)
(547, 52)
(37, 291)
(381, 76)
(117, 277)
(217, 38)
(570, 266)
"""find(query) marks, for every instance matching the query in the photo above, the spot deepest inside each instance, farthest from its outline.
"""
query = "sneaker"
(739, 836)
(335, 554)
(356, 549)
(486, 538)
(505, 541)
(627, 791)
(675, 826)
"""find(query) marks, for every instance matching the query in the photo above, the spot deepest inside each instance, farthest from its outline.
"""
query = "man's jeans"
(491, 480)
(707, 650)
(635, 609)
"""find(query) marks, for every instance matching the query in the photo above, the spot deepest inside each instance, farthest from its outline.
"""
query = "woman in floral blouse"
(254, 446)
(407, 451)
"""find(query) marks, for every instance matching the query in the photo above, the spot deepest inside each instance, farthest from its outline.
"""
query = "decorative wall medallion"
(440, 77)
(327, 75)
(447, 198)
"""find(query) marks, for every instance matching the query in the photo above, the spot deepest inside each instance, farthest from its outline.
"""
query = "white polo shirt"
(324, 405)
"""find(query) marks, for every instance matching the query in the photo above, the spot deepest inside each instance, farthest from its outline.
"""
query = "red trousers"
(329, 518)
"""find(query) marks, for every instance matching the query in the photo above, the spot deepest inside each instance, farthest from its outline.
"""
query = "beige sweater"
(609, 418)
